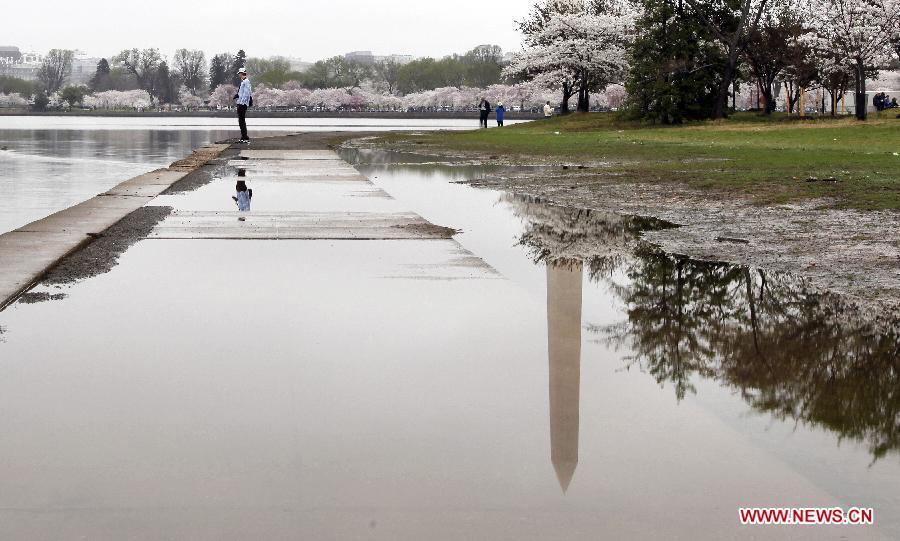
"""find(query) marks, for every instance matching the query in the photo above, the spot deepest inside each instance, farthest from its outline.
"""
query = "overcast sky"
(310, 30)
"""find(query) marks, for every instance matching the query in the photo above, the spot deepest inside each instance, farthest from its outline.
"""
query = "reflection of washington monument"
(564, 349)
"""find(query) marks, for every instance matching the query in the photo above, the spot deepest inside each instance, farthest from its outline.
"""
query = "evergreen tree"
(239, 61)
(218, 70)
(166, 86)
(676, 68)
(40, 102)
(102, 80)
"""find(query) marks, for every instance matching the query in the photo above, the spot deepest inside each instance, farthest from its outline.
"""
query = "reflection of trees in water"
(790, 352)
(602, 239)
(423, 166)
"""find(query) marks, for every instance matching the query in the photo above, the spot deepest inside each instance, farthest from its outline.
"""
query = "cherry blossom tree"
(575, 46)
(541, 65)
(266, 97)
(12, 100)
(223, 96)
(115, 99)
(188, 99)
(856, 34)
(296, 97)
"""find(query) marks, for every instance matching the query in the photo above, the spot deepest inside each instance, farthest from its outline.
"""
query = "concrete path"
(297, 194)
(27, 253)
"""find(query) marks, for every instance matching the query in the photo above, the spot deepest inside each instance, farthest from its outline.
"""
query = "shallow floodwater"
(51, 163)
(324, 389)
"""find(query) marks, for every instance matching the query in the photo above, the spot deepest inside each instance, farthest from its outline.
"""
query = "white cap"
(243, 70)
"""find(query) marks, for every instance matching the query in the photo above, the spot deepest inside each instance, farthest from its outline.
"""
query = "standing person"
(244, 100)
(548, 111)
(501, 110)
(242, 198)
(484, 108)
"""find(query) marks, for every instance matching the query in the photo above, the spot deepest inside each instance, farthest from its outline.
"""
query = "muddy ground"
(853, 253)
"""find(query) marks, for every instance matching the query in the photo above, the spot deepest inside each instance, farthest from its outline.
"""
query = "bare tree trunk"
(861, 102)
(567, 92)
(765, 88)
(720, 110)
(584, 100)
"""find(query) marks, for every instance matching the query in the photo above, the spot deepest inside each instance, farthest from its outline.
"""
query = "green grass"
(769, 159)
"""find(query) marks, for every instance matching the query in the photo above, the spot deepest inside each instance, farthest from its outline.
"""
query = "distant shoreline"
(256, 113)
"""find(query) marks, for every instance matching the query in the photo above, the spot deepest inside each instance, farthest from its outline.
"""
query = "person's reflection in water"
(564, 351)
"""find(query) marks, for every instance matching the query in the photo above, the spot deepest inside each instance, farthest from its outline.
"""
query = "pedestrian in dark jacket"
(484, 109)
(501, 111)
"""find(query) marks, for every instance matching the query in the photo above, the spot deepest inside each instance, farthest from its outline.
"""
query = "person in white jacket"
(548, 111)
(244, 100)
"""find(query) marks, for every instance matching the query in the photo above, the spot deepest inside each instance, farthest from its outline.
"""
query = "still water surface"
(51, 163)
(751, 357)
(300, 389)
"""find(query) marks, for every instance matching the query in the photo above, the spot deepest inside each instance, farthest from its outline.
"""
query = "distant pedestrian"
(548, 111)
(484, 109)
(244, 100)
(242, 197)
(501, 111)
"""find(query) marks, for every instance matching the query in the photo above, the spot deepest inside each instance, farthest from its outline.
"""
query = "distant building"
(9, 55)
(299, 65)
(83, 68)
(363, 57)
(14, 63)
(396, 58)
(367, 57)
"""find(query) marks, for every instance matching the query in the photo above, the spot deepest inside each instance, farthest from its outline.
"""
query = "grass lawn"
(769, 159)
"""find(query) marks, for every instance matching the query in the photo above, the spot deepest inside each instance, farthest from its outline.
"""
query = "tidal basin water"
(584, 388)
(51, 163)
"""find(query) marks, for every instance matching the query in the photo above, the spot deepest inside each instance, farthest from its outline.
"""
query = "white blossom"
(12, 100)
(223, 96)
(187, 99)
(115, 99)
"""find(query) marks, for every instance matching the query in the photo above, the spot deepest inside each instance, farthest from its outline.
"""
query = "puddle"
(544, 375)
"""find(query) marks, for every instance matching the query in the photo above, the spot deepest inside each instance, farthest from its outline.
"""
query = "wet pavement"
(29, 251)
(49, 163)
(542, 375)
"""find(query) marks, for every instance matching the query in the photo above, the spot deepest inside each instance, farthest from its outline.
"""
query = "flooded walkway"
(29, 251)
(302, 194)
(337, 367)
